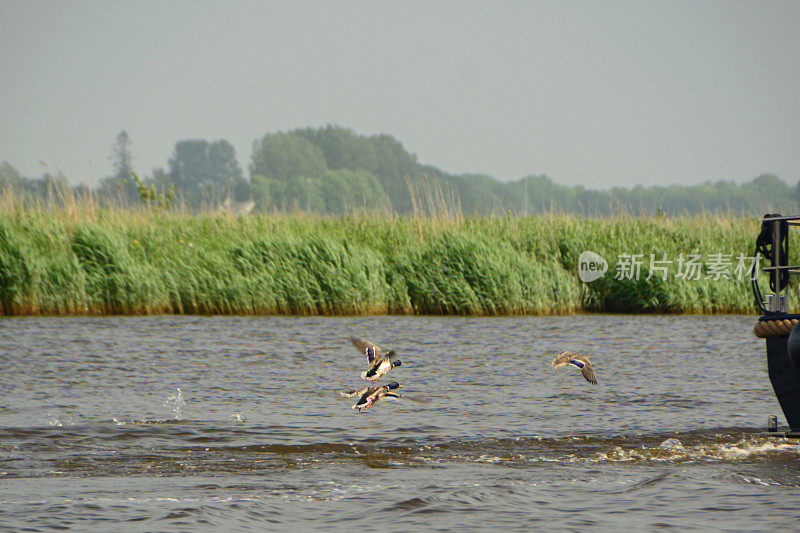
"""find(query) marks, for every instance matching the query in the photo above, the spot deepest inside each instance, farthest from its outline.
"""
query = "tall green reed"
(72, 261)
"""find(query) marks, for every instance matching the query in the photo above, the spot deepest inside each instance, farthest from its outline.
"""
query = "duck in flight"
(380, 361)
(369, 395)
(579, 361)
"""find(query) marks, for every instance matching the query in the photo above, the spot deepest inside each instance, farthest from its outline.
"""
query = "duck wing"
(381, 366)
(588, 372)
(363, 345)
(370, 397)
(414, 398)
(352, 392)
(563, 358)
(367, 398)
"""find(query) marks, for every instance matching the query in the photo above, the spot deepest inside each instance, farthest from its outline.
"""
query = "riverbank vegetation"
(83, 259)
(327, 221)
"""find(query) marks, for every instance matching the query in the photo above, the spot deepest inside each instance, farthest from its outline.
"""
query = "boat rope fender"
(774, 328)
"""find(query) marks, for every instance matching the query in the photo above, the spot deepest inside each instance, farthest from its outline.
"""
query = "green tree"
(284, 156)
(120, 188)
(121, 157)
(333, 169)
(206, 172)
(342, 191)
(382, 155)
(268, 193)
(9, 174)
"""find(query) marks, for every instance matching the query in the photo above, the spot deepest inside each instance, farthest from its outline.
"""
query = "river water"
(176, 423)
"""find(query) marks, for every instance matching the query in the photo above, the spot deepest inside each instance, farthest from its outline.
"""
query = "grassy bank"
(59, 262)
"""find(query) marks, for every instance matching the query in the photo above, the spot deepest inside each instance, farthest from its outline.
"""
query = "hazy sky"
(594, 93)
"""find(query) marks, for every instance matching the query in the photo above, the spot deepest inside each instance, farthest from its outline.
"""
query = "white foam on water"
(672, 444)
(674, 450)
(490, 459)
(55, 422)
(745, 448)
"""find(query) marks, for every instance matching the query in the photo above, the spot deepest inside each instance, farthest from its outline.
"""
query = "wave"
(175, 447)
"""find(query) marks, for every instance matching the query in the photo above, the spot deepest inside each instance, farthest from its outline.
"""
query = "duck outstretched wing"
(588, 372)
(415, 398)
(347, 393)
(563, 358)
(363, 345)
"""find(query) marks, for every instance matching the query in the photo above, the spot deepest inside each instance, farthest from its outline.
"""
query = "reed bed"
(149, 262)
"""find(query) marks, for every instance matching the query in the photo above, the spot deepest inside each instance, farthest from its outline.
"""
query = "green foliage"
(121, 157)
(37, 273)
(121, 192)
(114, 280)
(267, 192)
(386, 159)
(205, 172)
(317, 275)
(283, 156)
(169, 262)
(381, 155)
(334, 192)
(15, 269)
(120, 188)
(458, 273)
(9, 175)
(333, 170)
(150, 196)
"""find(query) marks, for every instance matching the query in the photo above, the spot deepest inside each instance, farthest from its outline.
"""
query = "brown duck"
(579, 361)
(379, 361)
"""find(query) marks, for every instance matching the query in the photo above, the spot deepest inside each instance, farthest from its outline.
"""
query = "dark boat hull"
(785, 379)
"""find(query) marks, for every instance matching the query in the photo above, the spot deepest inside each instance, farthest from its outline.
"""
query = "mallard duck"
(380, 361)
(578, 360)
(369, 395)
(375, 393)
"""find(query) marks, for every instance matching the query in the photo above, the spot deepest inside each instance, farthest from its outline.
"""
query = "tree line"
(333, 170)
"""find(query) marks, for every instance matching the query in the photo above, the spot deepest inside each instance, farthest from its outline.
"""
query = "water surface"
(208, 423)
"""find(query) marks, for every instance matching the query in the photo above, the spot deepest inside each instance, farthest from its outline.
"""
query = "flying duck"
(578, 360)
(380, 361)
(369, 395)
